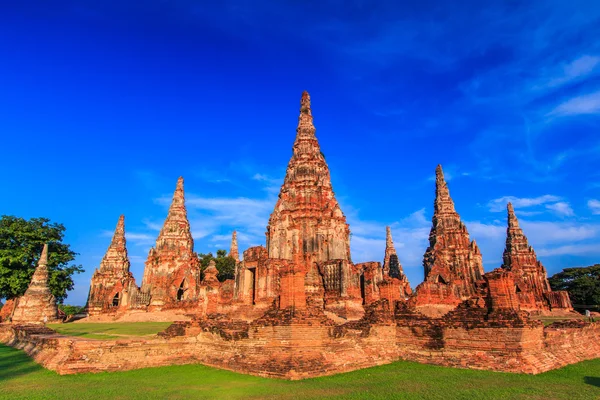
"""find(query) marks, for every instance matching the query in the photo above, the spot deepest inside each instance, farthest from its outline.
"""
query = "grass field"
(110, 330)
(21, 378)
(550, 320)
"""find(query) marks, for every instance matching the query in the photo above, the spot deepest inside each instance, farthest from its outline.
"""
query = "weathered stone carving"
(172, 272)
(307, 226)
(389, 251)
(307, 220)
(531, 279)
(233, 250)
(112, 283)
(452, 262)
(37, 305)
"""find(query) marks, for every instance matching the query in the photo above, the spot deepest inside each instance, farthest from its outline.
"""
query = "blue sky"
(106, 103)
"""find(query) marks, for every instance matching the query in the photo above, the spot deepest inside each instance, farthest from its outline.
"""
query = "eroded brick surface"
(531, 278)
(37, 305)
(112, 283)
(172, 273)
(452, 261)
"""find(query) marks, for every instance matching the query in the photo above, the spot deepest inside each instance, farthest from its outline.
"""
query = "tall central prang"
(307, 222)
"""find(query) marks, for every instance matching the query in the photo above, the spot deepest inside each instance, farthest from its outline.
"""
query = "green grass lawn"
(111, 330)
(550, 320)
(21, 378)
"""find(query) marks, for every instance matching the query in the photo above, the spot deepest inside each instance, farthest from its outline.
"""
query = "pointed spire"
(519, 257)
(37, 305)
(443, 201)
(176, 229)
(451, 253)
(233, 250)
(389, 249)
(513, 222)
(44, 256)
(391, 263)
(306, 143)
(389, 242)
(305, 103)
(116, 258)
(178, 196)
(439, 173)
(307, 193)
(517, 250)
(39, 280)
(118, 239)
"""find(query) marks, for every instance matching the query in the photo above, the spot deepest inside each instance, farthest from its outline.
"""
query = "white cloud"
(571, 249)
(499, 204)
(155, 226)
(219, 204)
(272, 185)
(546, 232)
(551, 238)
(481, 231)
(580, 105)
(220, 216)
(582, 66)
(260, 177)
(366, 249)
(594, 206)
(134, 238)
(529, 213)
(561, 208)
(139, 237)
(417, 218)
(579, 68)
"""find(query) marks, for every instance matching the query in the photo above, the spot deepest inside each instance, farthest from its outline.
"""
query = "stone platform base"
(308, 348)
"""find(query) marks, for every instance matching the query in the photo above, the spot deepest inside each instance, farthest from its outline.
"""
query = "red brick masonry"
(306, 347)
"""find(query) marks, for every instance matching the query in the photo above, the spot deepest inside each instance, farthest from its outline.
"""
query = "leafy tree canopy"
(583, 284)
(21, 243)
(70, 310)
(225, 264)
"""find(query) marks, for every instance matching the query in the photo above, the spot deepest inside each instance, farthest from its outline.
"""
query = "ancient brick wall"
(308, 349)
(7, 309)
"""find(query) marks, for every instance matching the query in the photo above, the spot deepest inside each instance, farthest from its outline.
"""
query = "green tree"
(70, 310)
(583, 284)
(21, 243)
(225, 264)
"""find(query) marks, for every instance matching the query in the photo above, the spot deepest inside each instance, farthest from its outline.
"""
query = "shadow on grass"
(592, 380)
(15, 363)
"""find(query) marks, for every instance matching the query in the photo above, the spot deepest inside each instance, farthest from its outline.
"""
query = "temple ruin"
(37, 305)
(300, 307)
(112, 283)
(531, 279)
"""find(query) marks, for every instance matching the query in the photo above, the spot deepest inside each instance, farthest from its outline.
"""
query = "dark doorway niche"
(116, 300)
(253, 284)
(181, 291)
(362, 288)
